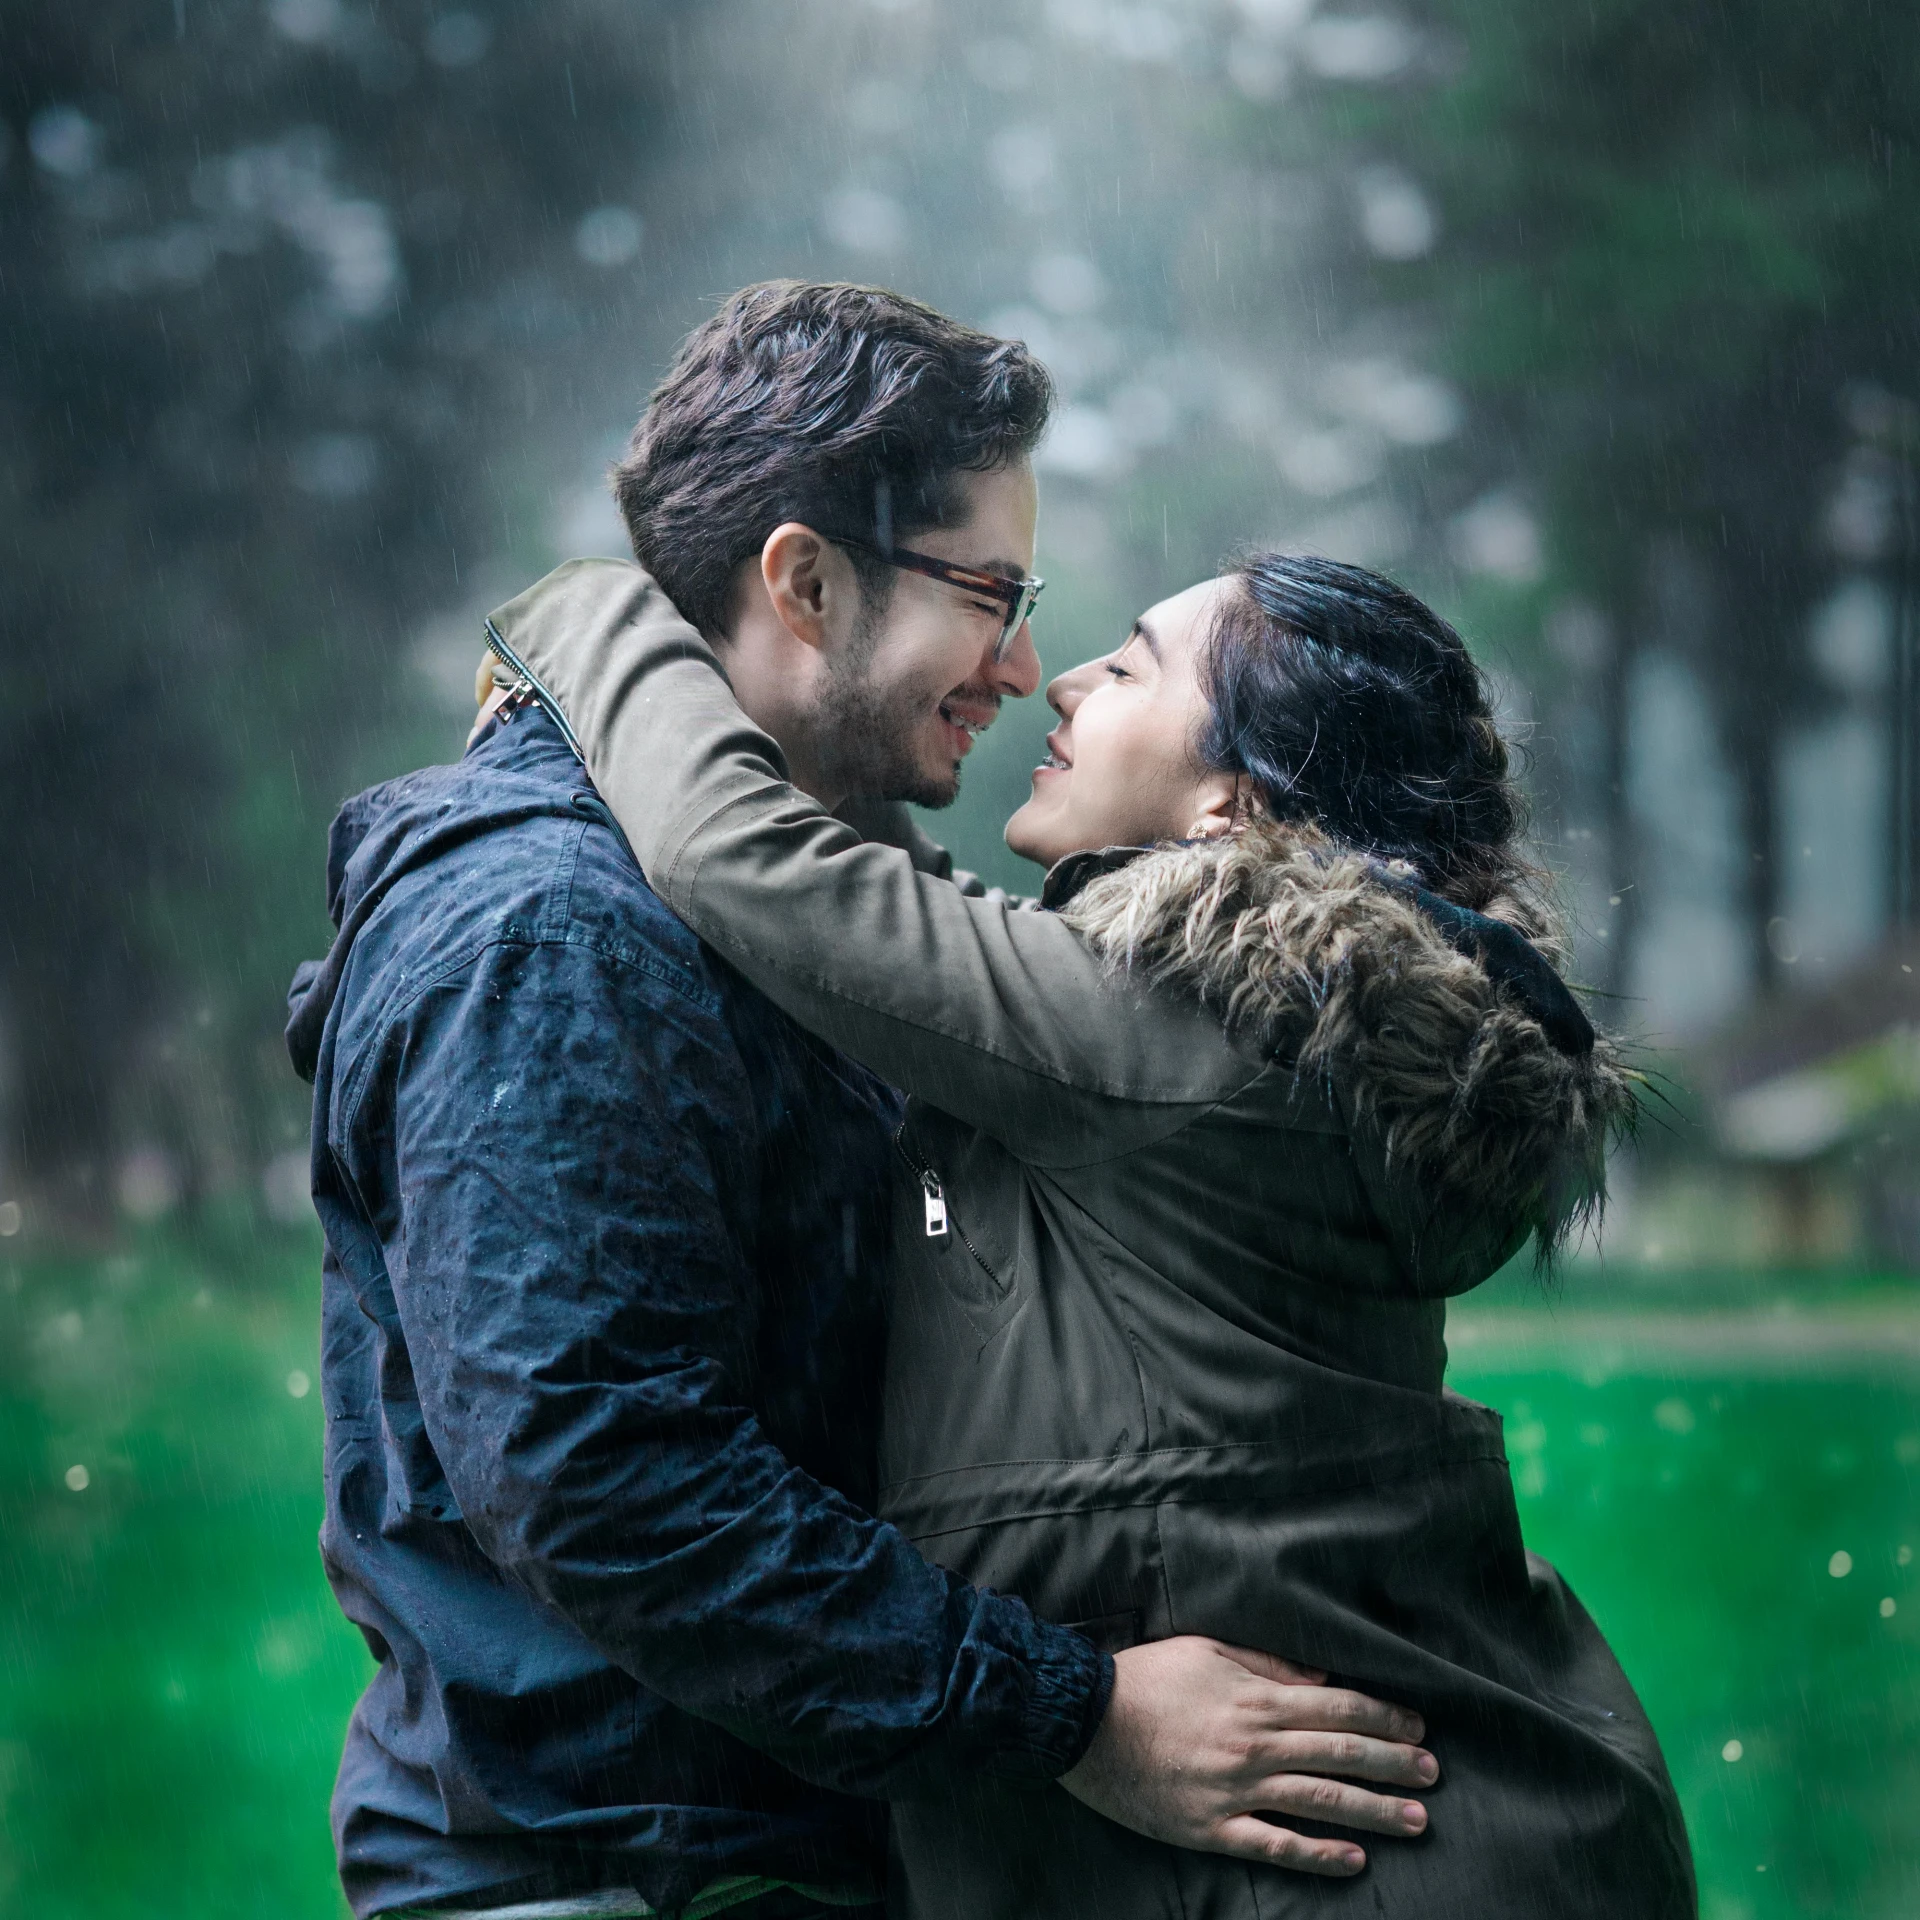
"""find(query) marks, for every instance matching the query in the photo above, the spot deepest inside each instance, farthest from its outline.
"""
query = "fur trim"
(1291, 939)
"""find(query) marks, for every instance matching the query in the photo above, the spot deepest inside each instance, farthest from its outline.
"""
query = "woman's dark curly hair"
(1349, 703)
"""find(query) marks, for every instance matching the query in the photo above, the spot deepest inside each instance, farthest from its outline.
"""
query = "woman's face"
(1121, 769)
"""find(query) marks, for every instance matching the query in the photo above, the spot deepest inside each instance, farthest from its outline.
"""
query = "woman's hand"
(1202, 1739)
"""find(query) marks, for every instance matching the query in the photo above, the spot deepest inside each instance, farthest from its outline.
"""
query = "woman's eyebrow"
(1141, 631)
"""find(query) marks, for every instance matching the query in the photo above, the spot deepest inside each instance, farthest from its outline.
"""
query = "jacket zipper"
(533, 690)
(935, 1197)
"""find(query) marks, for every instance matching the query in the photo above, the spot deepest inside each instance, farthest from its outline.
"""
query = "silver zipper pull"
(936, 1199)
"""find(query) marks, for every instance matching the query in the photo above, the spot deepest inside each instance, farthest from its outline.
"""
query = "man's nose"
(1017, 672)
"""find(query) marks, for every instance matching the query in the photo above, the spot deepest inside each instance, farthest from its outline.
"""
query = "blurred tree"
(1678, 286)
(272, 275)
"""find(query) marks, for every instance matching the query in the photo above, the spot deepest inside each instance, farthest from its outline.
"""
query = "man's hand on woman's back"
(1207, 1745)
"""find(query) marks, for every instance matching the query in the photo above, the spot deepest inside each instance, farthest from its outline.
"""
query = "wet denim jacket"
(601, 1357)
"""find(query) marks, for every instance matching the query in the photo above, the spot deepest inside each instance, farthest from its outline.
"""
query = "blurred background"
(1593, 320)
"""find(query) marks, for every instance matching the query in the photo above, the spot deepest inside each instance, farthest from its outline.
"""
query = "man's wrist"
(1071, 1688)
(1098, 1701)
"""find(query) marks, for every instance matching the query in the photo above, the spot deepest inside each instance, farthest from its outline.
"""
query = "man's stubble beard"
(867, 731)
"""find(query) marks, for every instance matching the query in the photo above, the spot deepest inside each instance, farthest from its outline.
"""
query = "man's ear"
(810, 584)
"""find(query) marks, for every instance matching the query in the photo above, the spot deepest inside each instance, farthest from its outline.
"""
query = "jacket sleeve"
(565, 1247)
(998, 1016)
(890, 823)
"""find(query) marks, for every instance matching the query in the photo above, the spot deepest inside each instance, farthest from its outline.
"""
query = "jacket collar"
(1068, 875)
(1449, 1031)
(1503, 950)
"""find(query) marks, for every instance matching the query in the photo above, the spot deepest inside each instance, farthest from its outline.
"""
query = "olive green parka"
(1191, 1165)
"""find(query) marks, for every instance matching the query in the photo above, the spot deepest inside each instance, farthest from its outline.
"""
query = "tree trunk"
(1903, 756)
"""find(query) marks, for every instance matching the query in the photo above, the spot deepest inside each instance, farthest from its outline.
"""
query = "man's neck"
(775, 680)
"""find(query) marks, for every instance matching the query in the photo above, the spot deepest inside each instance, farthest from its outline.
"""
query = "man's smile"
(967, 716)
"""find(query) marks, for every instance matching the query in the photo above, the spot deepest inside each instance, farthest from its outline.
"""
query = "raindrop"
(1397, 220)
(458, 39)
(1674, 1415)
(1904, 1558)
(298, 1384)
(865, 219)
(10, 1218)
(1258, 68)
(308, 22)
(1363, 48)
(335, 466)
(1415, 410)
(1841, 1564)
(1852, 637)
(1081, 442)
(879, 108)
(1327, 462)
(147, 1184)
(1067, 283)
(1274, 16)
(1145, 415)
(78, 1478)
(1021, 159)
(1498, 536)
(1004, 65)
(609, 236)
(286, 1183)
(64, 141)
(1888, 1608)
(1732, 1751)
(1861, 514)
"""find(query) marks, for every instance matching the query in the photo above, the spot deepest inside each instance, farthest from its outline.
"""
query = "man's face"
(908, 693)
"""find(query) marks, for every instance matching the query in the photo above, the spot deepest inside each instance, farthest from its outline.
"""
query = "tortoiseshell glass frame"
(1017, 596)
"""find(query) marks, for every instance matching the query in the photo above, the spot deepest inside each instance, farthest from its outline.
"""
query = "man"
(604, 1232)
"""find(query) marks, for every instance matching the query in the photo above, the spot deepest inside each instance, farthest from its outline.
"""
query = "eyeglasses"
(1016, 597)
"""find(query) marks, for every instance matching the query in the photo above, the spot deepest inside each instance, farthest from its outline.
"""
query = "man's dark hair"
(850, 409)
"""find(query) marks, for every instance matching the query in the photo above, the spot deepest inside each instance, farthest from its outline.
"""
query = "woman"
(1193, 1160)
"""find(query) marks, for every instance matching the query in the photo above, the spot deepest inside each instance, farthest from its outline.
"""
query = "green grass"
(174, 1676)
(174, 1679)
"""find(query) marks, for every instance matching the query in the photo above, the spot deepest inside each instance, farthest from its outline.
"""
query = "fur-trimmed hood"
(1312, 950)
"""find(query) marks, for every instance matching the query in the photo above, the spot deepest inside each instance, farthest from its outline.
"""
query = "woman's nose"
(1066, 690)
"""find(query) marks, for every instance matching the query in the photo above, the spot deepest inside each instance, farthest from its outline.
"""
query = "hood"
(381, 836)
(1439, 1043)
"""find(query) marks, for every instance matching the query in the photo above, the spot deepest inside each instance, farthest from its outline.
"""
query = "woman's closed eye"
(1117, 670)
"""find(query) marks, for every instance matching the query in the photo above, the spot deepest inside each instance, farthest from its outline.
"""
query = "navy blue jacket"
(601, 1354)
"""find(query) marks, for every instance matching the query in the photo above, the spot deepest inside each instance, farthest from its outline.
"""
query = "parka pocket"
(964, 1215)
(1113, 1632)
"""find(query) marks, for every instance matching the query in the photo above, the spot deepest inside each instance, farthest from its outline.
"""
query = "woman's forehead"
(1182, 618)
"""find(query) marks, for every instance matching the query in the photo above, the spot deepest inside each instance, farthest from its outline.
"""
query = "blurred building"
(1805, 1147)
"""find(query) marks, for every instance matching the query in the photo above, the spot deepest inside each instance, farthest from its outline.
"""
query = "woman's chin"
(1028, 837)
